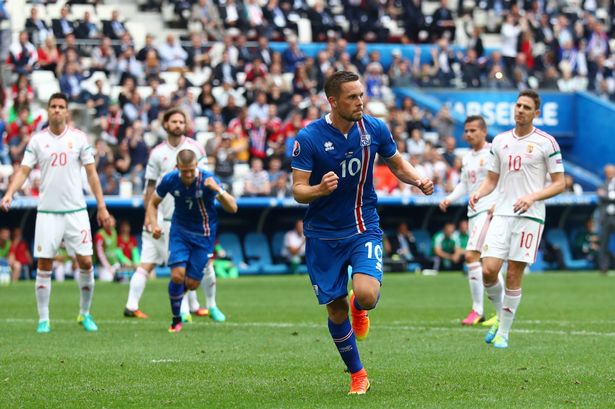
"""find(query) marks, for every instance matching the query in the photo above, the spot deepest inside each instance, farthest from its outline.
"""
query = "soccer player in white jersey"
(473, 172)
(521, 160)
(155, 252)
(60, 151)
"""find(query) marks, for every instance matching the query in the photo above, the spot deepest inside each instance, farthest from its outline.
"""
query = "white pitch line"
(164, 361)
(394, 327)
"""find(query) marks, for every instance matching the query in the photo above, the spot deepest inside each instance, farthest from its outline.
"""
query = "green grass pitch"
(275, 350)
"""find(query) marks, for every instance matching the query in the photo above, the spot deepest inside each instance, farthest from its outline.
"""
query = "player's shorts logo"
(296, 149)
(366, 139)
(315, 289)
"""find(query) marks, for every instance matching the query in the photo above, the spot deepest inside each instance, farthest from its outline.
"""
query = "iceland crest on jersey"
(366, 139)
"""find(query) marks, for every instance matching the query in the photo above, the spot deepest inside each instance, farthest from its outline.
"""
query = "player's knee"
(177, 277)
(368, 300)
(192, 284)
(85, 262)
(45, 264)
(472, 257)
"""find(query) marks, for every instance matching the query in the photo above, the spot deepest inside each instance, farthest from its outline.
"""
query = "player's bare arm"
(151, 217)
(227, 200)
(557, 186)
(149, 192)
(457, 193)
(407, 173)
(488, 185)
(20, 177)
(102, 214)
(303, 192)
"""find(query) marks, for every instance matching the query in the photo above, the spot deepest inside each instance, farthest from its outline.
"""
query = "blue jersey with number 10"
(195, 209)
(321, 148)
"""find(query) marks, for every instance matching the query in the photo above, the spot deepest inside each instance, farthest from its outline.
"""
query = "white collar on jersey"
(524, 136)
(330, 122)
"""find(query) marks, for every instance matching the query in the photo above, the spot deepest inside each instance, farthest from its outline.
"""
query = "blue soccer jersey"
(195, 209)
(321, 148)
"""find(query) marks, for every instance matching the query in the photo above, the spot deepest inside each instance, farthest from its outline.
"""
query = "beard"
(176, 132)
(353, 117)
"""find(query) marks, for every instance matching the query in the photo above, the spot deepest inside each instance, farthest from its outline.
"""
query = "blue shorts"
(190, 250)
(328, 260)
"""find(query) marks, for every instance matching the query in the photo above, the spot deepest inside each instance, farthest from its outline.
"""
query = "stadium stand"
(558, 238)
(231, 243)
(414, 72)
(258, 253)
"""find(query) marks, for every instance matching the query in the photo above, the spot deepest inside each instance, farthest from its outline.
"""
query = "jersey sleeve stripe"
(302, 170)
(548, 137)
(555, 153)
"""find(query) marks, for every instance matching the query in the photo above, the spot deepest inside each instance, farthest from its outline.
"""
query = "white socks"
(42, 290)
(86, 285)
(475, 279)
(185, 307)
(209, 286)
(193, 301)
(137, 285)
(512, 298)
(495, 293)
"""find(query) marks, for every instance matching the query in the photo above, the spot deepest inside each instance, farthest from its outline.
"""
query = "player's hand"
(523, 204)
(156, 232)
(6, 203)
(211, 184)
(103, 217)
(474, 198)
(329, 183)
(444, 204)
(425, 185)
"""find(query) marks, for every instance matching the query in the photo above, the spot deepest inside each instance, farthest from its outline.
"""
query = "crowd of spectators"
(247, 102)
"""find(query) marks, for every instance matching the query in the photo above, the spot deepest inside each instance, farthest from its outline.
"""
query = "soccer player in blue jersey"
(193, 226)
(333, 160)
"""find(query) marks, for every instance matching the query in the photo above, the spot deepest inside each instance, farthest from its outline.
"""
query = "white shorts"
(52, 228)
(478, 226)
(513, 238)
(155, 251)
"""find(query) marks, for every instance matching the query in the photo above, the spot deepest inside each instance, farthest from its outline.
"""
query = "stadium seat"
(201, 124)
(257, 252)
(557, 237)
(423, 241)
(277, 244)
(230, 242)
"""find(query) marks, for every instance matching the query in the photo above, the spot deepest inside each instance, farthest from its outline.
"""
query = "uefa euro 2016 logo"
(366, 139)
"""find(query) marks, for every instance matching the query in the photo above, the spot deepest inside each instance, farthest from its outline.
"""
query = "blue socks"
(176, 293)
(346, 344)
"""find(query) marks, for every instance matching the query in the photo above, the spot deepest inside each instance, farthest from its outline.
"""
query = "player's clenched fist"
(329, 182)
(211, 184)
(6, 203)
(425, 185)
(444, 204)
